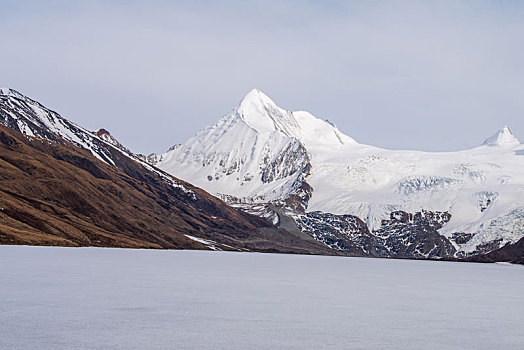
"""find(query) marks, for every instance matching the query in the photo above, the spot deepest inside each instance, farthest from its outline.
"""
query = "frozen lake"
(89, 298)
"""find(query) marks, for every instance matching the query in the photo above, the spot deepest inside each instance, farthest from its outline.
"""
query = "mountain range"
(289, 182)
(64, 185)
(277, 163)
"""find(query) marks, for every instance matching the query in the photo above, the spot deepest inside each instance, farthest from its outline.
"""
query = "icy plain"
(90, 298)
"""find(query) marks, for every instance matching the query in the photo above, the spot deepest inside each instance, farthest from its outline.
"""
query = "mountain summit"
(262, 114)
(503, 137)
(257, 152)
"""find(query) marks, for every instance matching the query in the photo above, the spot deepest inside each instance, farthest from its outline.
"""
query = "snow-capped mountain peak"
(257, 144)
(261, 156)
(260, 113)
(256, 97)
(503, 137)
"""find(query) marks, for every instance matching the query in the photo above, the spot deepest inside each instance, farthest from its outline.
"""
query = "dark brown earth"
(53, 193)
(512, 253)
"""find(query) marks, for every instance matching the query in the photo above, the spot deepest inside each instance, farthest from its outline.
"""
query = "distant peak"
(260, 113)
(503, 137)
(257, 98)
(254, 92)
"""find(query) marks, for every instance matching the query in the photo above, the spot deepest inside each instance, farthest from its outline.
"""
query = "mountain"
(503, 137)
(325, 192)
(256, 154)
(64, 185)
(307, 176)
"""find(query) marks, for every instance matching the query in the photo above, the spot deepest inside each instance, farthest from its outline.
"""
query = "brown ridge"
(57, 194)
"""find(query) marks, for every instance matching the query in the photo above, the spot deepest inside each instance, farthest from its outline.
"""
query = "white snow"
(229, 158)
(504, 137)
(89, 298)
(209, 243)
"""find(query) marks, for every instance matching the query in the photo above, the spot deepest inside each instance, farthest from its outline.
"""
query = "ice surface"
(89, 298)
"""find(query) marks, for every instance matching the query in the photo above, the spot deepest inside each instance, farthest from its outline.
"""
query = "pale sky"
(435, 75)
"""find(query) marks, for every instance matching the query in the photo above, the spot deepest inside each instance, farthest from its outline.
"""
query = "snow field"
(91, 298)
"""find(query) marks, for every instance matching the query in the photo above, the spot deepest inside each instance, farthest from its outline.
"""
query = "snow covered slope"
(32, 119)
(23, 114)
(260, 153)
(256, 153)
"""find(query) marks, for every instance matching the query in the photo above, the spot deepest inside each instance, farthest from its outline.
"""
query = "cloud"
(403, 74)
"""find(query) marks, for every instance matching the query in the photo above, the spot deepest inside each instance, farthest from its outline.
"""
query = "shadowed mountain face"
(54, 193)
(512, 253)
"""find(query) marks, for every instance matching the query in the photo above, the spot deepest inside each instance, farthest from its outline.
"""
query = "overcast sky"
(398, 74)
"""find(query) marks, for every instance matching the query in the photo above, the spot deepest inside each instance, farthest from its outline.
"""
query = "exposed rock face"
(430, 218)
(404, 235)
(291, 159)
(341, 232)
(407, 235)
(106, 136)
(512, 253)
(461, 237)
